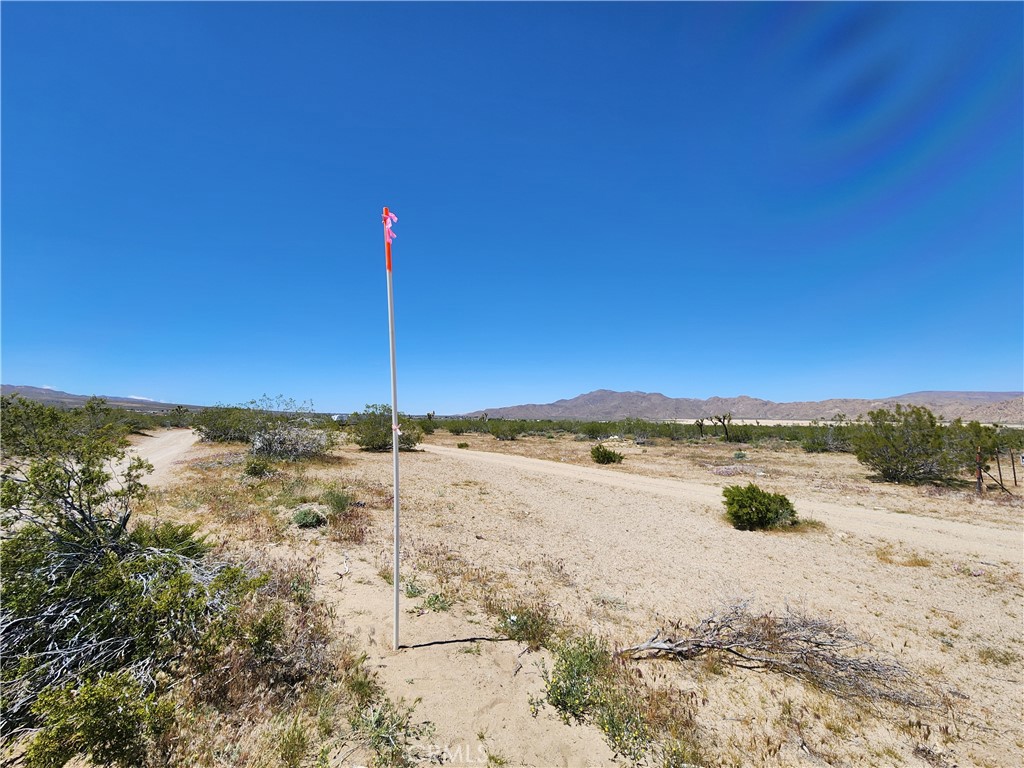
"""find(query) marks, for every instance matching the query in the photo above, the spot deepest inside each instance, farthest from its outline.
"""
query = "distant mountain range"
(67, 400)
(605, 405)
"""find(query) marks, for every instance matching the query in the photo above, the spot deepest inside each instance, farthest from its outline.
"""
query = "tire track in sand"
(952, 537)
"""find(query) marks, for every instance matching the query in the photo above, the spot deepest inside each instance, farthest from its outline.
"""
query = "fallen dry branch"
(819, 651)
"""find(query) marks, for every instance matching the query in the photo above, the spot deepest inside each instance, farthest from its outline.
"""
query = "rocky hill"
(68, 400)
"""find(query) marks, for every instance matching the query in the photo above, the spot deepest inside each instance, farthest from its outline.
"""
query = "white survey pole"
(388, 219)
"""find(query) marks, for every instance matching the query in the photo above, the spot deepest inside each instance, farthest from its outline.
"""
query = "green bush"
(586, 685)
(258, 466)
(832, 437)
(226, 424)
(372, 429)
(532, 623)
(337, 500)
(308, 518)
(577, 683)
(242, 423)
(603, 455)
(105, 628)
(750, 508)
(908, 445)
(109, 719)
(505, 430)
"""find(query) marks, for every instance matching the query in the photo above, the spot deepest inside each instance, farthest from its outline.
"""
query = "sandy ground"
(932, 577)
(167, 450)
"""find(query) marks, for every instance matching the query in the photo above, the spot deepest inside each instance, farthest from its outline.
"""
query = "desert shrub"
(226, 424)
(594, 430)
(462, 445)
(833, 437)
(308, 517)
(242, 423)
(575, 686)
(258, 466)
(505, 430)
(337, 500)
(750, 508)
(603, 455)
(109, 718)
(740, 433)
(587, 684)
(290, 442)
(180, 416)
(532, 623)
(372, 429)
(908, 445)
(58, 472)
(76, 608)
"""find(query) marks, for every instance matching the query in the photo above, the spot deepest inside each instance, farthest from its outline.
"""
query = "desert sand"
(931, 576)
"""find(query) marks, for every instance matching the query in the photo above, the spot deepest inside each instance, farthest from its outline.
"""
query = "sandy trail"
(950, 537)
(164, 450)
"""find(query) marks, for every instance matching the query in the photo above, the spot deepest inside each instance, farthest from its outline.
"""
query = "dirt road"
(950, 537)
(164, 449)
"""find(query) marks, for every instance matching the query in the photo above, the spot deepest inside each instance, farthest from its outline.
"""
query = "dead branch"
(819, 651)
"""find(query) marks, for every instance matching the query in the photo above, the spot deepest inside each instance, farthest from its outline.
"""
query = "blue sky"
(789, 201)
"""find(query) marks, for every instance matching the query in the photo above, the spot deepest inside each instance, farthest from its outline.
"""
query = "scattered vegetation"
(438, 602)
(276, 428)
(832, 437)
(128, 644)
(749, 508)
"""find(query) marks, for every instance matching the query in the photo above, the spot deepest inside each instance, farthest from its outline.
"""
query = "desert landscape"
(930, 577)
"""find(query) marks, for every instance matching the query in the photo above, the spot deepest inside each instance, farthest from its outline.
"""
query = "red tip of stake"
(387, 245)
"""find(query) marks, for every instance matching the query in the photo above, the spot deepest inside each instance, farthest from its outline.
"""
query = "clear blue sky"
(790, 201)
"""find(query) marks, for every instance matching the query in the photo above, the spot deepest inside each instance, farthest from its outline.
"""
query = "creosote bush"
(603, 455)
(908, 445)
(749, 508)
(372, 429)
